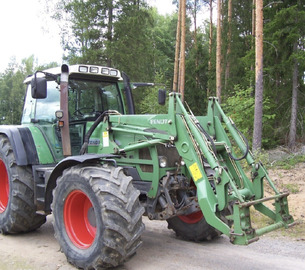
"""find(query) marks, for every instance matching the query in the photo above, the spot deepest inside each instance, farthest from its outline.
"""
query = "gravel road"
(160, 250)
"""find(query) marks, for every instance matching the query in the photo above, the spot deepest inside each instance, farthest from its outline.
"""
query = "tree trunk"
(109, 30)
(182, 50)
(218, 51)
(294, 105)
(258, 111)
(210, 46)
(177, 50)
(196, 45)
(253, 36)
(227, 72)
(253, 18)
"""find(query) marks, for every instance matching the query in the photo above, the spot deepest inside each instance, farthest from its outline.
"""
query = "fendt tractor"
(82, 154)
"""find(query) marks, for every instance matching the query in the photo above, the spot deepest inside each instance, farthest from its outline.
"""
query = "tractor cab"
(91, 90)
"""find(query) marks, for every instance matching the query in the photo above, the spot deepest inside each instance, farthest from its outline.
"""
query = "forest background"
(135, 38)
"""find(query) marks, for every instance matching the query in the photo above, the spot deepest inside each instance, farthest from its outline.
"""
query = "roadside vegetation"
(287, 170)
(135, 38)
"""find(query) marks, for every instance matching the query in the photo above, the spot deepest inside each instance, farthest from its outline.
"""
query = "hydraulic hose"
(246, 143)
(90, 131)
(207, 135)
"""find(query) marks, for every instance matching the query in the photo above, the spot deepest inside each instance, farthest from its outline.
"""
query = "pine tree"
(258, 110)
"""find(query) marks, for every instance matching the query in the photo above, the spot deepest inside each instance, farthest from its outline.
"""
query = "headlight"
(59, 114)
(162, 162)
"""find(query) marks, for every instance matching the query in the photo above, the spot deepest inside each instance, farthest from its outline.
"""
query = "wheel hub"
(80, 220)
(192, 218)
(4, 187)
(91, 217)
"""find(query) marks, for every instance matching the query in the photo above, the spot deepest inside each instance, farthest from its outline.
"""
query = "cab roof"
(91, 70)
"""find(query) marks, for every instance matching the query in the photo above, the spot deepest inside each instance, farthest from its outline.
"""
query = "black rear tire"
(192, 227)
(17, 208)
(97, 216)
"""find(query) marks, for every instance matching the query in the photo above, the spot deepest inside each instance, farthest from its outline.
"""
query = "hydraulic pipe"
(234, 133)
(270, 228)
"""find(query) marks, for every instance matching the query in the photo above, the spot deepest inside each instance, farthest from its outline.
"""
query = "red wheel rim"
(192, 218)
(79, 218)
(4, 187)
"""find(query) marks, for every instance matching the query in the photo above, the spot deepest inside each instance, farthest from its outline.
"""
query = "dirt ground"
(293, 181)
(162, 250)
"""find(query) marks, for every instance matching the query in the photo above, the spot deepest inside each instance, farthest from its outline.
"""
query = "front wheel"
(97, 216)
(192, 227)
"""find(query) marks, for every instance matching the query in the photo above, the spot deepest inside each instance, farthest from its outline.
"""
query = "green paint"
(42, 148)
(203, 143)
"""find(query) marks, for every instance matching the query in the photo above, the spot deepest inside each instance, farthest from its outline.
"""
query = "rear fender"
(22, 143)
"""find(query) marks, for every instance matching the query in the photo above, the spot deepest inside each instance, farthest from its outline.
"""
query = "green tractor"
(82, 154)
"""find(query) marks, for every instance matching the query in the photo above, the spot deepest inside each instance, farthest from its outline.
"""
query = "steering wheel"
(82, 111)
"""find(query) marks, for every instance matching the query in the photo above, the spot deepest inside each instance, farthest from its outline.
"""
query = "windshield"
(90, 98)
(87, 99)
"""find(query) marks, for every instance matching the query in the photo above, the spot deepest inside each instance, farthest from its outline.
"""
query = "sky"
(26, 30)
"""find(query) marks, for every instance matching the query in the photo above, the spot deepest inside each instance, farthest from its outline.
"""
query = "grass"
(287, 163)
(292, 188)
(296, 232)
(259, 220)
(290, 162)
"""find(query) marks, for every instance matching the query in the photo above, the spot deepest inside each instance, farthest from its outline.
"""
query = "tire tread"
(20, 215)
(120, 211)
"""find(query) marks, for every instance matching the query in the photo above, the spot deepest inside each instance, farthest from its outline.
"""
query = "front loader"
(82, 154)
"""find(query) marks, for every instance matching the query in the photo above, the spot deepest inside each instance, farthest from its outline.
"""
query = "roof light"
(113, 72)
(94, 69)
(83, 69)
(105, 71)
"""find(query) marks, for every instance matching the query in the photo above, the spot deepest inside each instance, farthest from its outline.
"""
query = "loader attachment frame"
(207, 141)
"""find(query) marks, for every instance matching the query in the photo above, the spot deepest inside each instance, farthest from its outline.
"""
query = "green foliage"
(196, 78)
(134, 53)
(278, 160)
(240, 107)
(12, 89)
(292, 188)
(134, 38)
(290, 162)
(284, 29)
(147, 98)
(80, 31)
(163, 36)
(149, 104)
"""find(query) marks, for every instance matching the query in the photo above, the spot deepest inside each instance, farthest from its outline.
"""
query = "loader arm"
(206, 141)
(204, 145)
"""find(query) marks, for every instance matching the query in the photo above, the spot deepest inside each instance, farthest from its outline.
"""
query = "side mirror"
(39, 88)
(161, 96)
